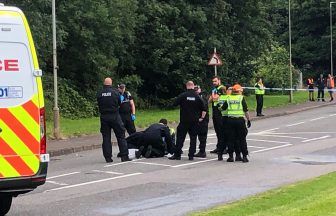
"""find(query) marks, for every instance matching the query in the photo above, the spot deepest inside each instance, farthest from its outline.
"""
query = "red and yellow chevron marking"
(20, 139)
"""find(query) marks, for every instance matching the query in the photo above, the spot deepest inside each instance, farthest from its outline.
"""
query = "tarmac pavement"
(85, 143)
(283, 150)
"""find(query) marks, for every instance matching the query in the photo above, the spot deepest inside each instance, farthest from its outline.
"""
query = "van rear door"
(19, 99)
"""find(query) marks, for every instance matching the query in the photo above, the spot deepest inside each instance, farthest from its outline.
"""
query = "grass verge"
(309, 198)
(71, 128)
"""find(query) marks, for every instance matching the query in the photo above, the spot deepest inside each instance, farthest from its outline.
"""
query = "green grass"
(70, 128)
(315, 197)
(87, 126)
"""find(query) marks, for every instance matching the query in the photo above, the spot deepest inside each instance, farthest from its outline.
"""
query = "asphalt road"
(282, 150)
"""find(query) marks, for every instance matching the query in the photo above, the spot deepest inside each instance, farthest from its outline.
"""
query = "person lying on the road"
(156, 141)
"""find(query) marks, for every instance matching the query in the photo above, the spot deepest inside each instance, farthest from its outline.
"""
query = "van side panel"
(35, 61)
(20, 125)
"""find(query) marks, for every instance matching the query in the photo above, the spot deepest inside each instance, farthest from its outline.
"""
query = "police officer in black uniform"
(155, 141)
(203, 125)
(127, 109)
(192, 111)
(108, 103)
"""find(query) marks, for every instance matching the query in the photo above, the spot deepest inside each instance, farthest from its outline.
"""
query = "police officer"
(108, 103)
(127, 109)
(222, 147)
(203, 125)
(310, 84)
(216, 114)
(192, 111)
(320, 88)
(259, 92)
(236, 107)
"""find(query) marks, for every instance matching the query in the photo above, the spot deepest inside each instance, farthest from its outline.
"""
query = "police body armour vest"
(261, 90)
(218, 90)
(235, 106)
(222, 99)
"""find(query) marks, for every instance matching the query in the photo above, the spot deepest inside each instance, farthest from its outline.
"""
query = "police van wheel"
(5, 204)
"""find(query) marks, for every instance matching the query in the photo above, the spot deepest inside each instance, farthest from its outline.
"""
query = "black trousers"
(202, 135)
(237, 133)
(260, 103)
(128, 123)
(320, 94)
(225, 134)
(218, 125)
(181, 133)
(108, 123)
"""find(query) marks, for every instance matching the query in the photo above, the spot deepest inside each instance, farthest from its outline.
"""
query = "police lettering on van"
(23, 152)
(9, 65)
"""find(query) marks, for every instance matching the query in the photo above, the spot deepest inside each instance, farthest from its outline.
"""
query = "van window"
(17, 83)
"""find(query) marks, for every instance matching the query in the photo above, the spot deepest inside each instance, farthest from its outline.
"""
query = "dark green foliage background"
(155, 46)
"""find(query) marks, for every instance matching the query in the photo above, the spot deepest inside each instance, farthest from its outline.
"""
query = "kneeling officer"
(108, 103)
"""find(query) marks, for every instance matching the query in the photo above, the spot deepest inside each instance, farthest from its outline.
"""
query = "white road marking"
(332, 115)
(256, 147)
(56, 183)
(154, 164)
(195, 157)
(268, 149)
(108, 172)
(298, 123)
(67, 174)
(314, 139)
(269, 141)
(122, 163)
(281, 136)
(198, 162)
(92, 182)
(304, 133)
(315, 119)
(266, 131)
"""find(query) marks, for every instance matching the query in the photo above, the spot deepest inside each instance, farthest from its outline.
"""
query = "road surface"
(283, 150)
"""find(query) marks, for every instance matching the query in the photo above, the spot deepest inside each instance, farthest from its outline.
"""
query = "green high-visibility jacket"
(259, 89)
(218, 90)
(222, 99)
(235, 106)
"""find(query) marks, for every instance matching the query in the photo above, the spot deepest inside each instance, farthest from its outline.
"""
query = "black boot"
(191, 157)
(245, 160)
(215, 151)
(175, 157)
(139, 152)
(230, 159)
(108, 160)
(148, 152)
(238, 158)
(220, 157)
(200, 154)
(125, 158)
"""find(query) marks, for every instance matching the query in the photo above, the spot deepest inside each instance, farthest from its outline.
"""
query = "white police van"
(23, 156)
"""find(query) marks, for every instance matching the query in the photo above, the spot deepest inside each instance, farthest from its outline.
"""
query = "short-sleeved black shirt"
(125, 107)
(191, 106)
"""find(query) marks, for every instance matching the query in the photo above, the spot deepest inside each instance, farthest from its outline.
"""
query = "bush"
(71, 103)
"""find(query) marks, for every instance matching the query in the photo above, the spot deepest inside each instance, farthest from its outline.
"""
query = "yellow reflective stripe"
(40, 92)
(26, 120)
(19, 147)
(9, 13)
(35, 100)
(31, 42)
(6, 169)
(15, 143)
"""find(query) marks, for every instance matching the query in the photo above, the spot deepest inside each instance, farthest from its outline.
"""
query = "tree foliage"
(155, 46)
